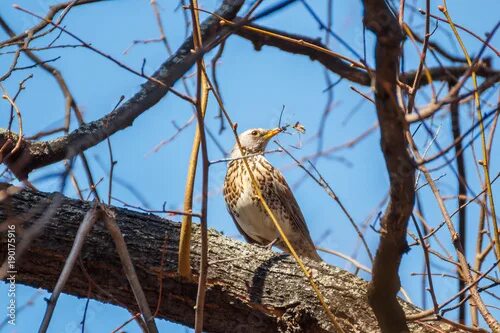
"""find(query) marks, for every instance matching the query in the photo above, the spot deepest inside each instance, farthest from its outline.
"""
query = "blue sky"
(255, 86)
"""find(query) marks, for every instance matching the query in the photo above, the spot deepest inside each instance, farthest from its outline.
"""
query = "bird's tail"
(303, 249)
(306, 251)
(311, 254)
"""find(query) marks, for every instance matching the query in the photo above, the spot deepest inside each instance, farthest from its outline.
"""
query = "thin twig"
(485, 161)
(202, 88)
(128, 321)
(128, 268)
(353, 261)
(107, 56)
(85, 227)
(418, 74)
(19, 119)
(328, 189)
(263, 32)
(464, 266)
(470, 32)
(427, 264)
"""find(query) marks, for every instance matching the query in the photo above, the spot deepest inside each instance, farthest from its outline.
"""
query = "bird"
(244, 205)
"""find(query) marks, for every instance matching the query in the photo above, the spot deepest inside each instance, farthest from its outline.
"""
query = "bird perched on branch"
(244, 204)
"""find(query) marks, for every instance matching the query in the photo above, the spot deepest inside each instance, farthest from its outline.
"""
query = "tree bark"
(385, 283)
(249, 289)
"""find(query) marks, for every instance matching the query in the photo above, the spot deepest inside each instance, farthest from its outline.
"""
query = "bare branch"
(385, 283)
(245, 294)
(83, 230)
(128, 268)
(343, 68)
(33, 155)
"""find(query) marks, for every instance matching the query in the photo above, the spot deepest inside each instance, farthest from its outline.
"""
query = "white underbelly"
(254, 221)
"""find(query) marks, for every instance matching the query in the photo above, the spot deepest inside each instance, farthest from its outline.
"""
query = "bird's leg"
(270, 245)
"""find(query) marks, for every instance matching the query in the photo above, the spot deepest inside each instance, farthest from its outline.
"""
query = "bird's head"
(254, 141)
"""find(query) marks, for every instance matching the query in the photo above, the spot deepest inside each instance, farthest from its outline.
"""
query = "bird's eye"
(254, 133)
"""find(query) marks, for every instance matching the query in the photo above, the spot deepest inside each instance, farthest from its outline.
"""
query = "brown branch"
(462, 261)
(462, 191)
(329, 190)
(18, 39)
(439, 49)
(202, 90)
(423, 54)
(470, 32)
(334, 64)
(385, 283)
(343, 68)
(428, 272)
(48, 207)
(33, 155)
(129, 270)
(88, 221)
(433, 107)
(68, 96)
(266, 292)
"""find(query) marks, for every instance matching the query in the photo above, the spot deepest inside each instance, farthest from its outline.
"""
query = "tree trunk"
(249, 289)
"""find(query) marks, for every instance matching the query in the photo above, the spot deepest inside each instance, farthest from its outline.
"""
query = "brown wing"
(288, 201)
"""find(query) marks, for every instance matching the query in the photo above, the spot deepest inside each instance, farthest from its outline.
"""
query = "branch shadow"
(256, 288)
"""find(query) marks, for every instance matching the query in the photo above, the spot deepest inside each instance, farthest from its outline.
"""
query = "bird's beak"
(272, 132)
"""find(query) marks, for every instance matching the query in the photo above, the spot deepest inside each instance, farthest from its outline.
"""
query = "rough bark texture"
(249, 289)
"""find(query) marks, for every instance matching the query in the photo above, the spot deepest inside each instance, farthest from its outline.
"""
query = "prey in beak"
(272, 132)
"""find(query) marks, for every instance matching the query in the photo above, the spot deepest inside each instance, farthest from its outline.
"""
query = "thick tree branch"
(334, 64)
(34, 155)
(249, 289)
(343, 68)
(385, 282)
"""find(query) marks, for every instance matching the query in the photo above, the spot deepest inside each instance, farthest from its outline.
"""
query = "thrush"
(245, 207)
